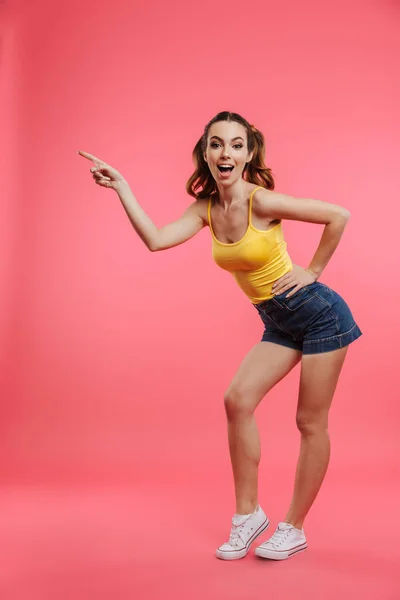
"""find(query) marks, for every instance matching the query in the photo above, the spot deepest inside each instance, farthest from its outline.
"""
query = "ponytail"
(256, 170)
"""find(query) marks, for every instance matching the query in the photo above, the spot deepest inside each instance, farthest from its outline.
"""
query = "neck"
(226, 196)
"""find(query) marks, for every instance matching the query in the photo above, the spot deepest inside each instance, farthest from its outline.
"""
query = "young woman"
(304, 319)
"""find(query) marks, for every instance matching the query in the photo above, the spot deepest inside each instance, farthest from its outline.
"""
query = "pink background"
(116, 478)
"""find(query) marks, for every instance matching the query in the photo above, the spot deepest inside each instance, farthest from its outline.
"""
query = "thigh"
(263, 367)
(318, 379)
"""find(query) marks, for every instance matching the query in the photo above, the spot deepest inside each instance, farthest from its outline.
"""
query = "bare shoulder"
(201, 209)
(265, 202)
(276, 206)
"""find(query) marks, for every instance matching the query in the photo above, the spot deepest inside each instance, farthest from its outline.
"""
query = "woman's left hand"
(298, 277)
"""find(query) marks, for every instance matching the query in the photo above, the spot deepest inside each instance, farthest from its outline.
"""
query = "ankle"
(246, 508)
(297, 523)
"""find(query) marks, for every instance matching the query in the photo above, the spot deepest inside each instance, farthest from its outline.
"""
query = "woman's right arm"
(173, 234)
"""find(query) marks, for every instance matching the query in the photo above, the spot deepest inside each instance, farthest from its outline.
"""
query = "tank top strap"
(251, 201)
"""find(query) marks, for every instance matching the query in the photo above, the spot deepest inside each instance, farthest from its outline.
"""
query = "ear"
(250, 157)
(204, 156)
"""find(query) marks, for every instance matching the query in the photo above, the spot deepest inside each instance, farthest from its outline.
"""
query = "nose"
(225, 152)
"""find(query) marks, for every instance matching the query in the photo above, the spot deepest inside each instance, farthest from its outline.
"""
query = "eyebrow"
(221, 140)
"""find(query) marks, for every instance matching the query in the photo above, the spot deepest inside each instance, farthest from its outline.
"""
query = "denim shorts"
(314, 320)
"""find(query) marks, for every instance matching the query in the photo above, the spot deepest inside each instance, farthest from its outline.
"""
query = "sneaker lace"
(235, 538)
(279, 537)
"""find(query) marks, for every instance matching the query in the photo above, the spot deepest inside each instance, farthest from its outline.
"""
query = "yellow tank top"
(255, 261)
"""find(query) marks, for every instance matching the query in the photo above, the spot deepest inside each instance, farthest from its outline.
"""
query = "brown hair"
(255, 171)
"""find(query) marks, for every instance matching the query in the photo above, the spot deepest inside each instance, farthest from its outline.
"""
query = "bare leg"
(264, 366)
(318, 380)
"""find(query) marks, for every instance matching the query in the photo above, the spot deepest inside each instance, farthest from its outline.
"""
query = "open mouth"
(224, 169)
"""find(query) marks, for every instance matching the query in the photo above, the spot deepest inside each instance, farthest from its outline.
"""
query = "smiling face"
(227, 146)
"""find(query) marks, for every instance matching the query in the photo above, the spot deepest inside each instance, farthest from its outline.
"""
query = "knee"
(311, 424)
(236, 402)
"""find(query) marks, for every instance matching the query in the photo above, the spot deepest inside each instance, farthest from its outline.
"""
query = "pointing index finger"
(90, 157)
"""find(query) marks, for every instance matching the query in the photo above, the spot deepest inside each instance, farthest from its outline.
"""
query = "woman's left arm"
(333, 216)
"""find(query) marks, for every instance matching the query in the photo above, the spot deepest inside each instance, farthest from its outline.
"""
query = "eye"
(238, 146)
(214, 144)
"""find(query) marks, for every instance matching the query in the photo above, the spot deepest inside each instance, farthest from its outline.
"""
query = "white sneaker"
(286, 541)
(244, 531)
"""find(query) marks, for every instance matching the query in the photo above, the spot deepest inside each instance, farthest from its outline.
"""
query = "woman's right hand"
(104, 174)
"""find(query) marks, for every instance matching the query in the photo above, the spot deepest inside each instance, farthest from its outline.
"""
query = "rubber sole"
(279, 555)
